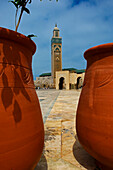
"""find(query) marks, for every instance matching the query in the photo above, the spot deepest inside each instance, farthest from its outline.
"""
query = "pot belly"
(21, 129)
(95, 123)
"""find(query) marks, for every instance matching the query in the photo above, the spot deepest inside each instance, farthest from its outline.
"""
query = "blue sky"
(82, 23)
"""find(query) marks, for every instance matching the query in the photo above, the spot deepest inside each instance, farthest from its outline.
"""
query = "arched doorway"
(61, 82)
(44, 86)
(79, 84)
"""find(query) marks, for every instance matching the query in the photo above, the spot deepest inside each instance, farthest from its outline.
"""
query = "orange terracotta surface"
(95, 108)
(21, 124)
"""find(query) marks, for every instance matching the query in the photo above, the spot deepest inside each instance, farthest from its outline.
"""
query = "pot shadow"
(84, 159)
(49, 138)
(42, 164)
(13, 76)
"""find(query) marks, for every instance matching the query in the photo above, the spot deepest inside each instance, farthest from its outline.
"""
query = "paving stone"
(62, 149)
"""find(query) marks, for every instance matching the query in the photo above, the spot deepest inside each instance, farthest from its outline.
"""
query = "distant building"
(44, 81)
(68, 78)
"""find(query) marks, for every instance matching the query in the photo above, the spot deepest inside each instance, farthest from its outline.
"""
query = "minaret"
(56, 53)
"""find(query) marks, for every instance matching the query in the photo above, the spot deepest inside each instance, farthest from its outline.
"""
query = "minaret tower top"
(56, 31)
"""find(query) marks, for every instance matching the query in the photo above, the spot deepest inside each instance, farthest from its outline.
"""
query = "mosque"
(67, 78)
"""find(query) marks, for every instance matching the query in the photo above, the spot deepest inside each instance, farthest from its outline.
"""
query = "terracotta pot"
(94, 121)
(21, 125)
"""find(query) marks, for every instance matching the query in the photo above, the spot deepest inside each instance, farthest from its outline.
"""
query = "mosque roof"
(80, 71)
(74, 70)
(45, 74)
(68, 69)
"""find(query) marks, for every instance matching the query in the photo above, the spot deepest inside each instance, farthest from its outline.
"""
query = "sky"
(82, 23)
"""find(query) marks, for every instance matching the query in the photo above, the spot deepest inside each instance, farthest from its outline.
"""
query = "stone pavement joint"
(47, 100)
(62, 149)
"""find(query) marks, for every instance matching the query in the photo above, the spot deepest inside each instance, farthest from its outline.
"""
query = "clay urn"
(21, 124)
(94, 120)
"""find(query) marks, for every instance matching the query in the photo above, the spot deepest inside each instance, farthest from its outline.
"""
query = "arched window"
(57, 49)
(56, 34)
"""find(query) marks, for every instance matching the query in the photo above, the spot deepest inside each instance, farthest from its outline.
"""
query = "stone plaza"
(62, 149)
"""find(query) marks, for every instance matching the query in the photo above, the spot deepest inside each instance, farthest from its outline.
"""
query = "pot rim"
(99, 49)
(18, 38)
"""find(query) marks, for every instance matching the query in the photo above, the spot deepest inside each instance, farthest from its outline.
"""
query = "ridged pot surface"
(94, 120)
(21, 124)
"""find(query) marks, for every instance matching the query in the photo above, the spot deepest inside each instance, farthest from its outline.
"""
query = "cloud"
(82, 25)
(78, 2)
